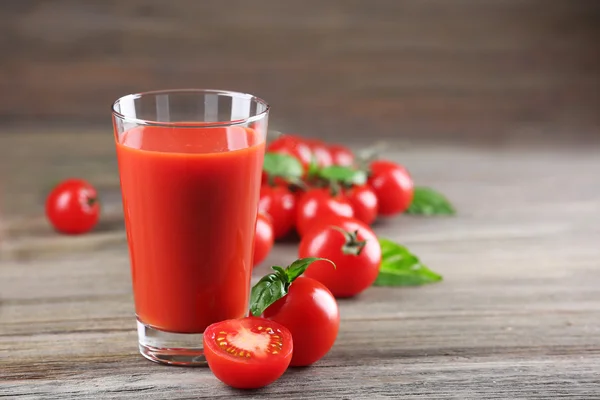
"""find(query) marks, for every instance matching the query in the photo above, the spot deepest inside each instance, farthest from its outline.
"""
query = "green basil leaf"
(280, 271)
(399, 267)
(282, 165)
(345, 175)
(298, 267)
(427, 201)
(266, 292)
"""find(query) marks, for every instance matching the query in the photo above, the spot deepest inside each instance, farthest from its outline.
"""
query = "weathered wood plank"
(416, 68)
(517, 316)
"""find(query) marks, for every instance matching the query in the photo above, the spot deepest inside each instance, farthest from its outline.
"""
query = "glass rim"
(191, 124)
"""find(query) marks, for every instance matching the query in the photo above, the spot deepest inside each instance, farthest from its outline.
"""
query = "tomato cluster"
(297, 206)
(329, 200)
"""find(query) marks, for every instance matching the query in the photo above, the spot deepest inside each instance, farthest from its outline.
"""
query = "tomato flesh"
(248, 353)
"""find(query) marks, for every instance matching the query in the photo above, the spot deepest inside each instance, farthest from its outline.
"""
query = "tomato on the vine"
(320, 152)
(280, 203)
(293, 146)
(311, 314)
(316, 204)
(248, 353)
(341, 155)
(263, 238)
(364, 203)
(392, 185)
(354, 249)
(72, 207)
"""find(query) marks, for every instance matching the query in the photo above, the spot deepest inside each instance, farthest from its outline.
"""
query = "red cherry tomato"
(247, 353)
(280, 203)
(316, 204)
(72, 207)
(364, 203)
(320, 152)
(293, 146)
(263, 238)
(311, 314)
(356, 254)
(392, 185)
(341, 155)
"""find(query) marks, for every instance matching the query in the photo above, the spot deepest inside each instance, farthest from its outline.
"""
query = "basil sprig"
(276, 285)
(399, 267)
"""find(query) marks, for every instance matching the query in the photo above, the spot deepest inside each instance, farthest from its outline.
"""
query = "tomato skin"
(280, 203)
(320, 152)
(72, 207)
(242, 372)
(292, 146)
(353, 273)
(316, 204)
(341, 155)
(263, 238)
(310, 312)
(364, 203)
(392, 185)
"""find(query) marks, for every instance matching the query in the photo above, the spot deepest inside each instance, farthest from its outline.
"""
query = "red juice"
(190, 202)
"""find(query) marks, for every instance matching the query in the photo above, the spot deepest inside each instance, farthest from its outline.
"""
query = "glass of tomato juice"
(190, 165)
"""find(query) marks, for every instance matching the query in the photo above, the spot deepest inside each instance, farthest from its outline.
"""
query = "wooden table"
(517, 316)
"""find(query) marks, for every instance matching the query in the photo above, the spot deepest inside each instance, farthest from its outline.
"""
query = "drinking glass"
(190, 165)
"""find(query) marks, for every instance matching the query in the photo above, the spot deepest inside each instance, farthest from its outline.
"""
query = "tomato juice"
(190, 199)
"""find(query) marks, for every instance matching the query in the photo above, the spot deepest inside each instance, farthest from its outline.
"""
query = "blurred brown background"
(465, 71)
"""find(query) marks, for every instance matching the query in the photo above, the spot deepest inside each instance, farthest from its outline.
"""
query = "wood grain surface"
(517, 316)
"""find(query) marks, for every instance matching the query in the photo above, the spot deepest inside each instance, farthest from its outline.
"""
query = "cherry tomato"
(280, 203)
(72, 207)
(311, 314)
(364, 203)
(320, 152)
(248, 353)
(293, 146)
(392, 185)
(316, 204)
(356, 254)
(263, 238)
(341, 155)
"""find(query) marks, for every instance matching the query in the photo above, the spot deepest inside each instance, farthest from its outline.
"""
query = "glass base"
(184, 349)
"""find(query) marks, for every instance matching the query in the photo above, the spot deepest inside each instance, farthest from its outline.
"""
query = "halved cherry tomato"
(263, 238)
(293, 146)
(392, 185)
(311, 314)
(280, 203)
(248, 353)
(341, 155)
(320, 152)
(364, 203)
(72, 207)
(316, 204)
(354, 249)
